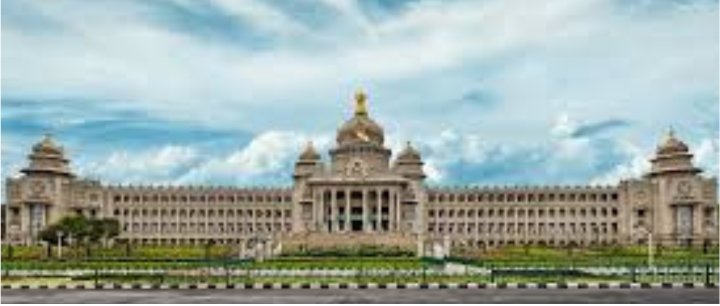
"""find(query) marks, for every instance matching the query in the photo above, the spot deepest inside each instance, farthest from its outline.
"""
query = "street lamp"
(59, 242)
(650, 249)
(649, 234)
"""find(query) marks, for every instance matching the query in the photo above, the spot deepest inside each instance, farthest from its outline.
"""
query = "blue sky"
(227, 92)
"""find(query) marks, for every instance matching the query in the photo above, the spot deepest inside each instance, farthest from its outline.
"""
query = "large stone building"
(362, 196)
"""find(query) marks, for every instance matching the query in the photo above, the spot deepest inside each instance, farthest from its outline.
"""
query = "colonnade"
(353, 209)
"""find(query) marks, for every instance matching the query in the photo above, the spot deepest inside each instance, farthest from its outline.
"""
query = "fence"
(233, 274)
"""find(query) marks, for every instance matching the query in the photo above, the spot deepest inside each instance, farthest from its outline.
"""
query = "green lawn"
(32, 253)
(281, 263)
(172, 257)
(606, 256)
(340, 263)
(298, 280)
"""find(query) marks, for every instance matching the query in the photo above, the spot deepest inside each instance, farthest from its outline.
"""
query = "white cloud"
(544, 51)
(156, 166)
(260, 14)
(564, 126)
(269, 157)
(266, 159)
(450, 157)
(637, 165)
(567, 159)
(284, 71)
(706, 156)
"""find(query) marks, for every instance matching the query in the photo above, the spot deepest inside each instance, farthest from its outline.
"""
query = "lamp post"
(59, 242)
(650, 249)
(649, 246)
(70, 241)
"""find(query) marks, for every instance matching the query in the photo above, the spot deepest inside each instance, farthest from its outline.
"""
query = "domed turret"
(360, 128)
(409, 163)
(409, 154)
(309, 154)
(308, 162)
(48, 157)
(672, 156)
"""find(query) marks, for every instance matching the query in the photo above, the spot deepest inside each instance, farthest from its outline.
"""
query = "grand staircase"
(341, 240)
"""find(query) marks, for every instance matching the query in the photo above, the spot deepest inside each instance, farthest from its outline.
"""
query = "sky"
(227, 92)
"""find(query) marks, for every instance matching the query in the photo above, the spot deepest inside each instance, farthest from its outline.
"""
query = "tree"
(81, 229)
(77, 227)
(106, 229)
(50, 233)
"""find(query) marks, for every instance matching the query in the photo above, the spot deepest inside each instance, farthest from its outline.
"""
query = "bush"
(24, 252)
(351, 251)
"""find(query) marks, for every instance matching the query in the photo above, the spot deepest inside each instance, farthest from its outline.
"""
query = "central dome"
(360, 128)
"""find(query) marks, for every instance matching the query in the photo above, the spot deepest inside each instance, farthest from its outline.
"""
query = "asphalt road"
(366, 296)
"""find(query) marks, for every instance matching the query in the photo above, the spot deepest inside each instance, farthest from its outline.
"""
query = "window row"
(555, 241)
(522, 212)
(172, 198)
(524, 197)
(531, 228)
(202, 228)
(202, 213)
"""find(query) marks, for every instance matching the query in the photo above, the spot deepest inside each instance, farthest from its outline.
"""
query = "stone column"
(206, 222)
(391, 211)
(698, 216)
(366, 225)
(254, 221)
(321, 212)
(396, 210)
(316, 210)
(177, 222)
(245, 224)
(333, 210)
(236, 223)
(536, 222)
(131, 220)
(526, 225)
(347, 210)
(378, 215)
(316, 203)
(398, 214)
(159, 219)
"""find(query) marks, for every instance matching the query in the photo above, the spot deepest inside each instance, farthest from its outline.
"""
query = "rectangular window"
(641, 213)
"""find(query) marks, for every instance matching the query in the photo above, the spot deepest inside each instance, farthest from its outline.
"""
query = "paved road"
(366, 296)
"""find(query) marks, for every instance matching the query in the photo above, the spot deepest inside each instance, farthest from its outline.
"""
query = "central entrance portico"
(359, 191)
(361, 206)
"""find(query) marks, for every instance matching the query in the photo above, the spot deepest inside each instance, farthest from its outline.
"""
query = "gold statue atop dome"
(360, 103)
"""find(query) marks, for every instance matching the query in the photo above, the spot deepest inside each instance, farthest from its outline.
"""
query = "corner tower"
(38, 197)
(409, 164)
(682, 209)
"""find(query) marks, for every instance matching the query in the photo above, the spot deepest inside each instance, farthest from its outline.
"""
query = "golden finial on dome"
(360, 103)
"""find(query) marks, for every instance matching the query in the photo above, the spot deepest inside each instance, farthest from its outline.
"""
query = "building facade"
(362, 195)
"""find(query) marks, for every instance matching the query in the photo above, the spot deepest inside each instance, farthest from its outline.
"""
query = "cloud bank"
(227, 92)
